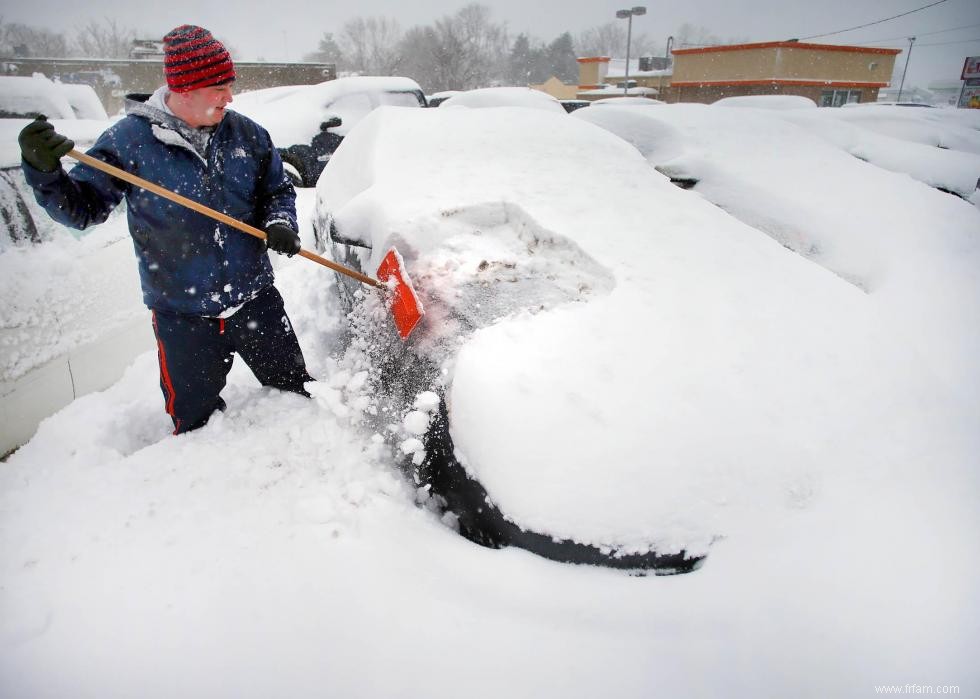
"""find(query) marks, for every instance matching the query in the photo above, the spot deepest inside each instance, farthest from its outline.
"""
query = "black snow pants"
(195, 355)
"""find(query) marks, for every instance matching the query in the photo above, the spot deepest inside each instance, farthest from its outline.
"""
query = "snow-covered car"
(28, 97)
(24, 220)
(308, 122)
(504, 97)
(609, 366)
(628, 101)
(767, 102)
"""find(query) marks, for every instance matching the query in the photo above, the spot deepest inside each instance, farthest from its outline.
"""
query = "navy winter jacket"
(188, 262)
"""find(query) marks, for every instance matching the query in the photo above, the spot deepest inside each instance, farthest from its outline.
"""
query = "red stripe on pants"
(165, 372)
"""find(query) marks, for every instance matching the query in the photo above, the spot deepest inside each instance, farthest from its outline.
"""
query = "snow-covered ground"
(279, 552)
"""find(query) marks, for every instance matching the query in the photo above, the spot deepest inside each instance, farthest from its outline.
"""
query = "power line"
(905, 37)
(869, 24)
(889, 44)
(948, 43)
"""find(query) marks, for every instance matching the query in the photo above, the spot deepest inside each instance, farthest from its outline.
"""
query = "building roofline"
(594, 59)
(775, 81)
(785, 45)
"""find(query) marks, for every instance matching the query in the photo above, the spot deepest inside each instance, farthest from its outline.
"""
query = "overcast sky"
(286, 29)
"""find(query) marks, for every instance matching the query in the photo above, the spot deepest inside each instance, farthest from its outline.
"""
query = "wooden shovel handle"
(216, 215)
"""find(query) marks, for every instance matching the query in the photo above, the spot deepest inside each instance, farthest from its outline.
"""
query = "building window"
(837, 98)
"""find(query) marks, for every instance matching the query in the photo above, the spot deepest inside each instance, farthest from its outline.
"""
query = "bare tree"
(371, 46)
(689, 35)
(104, 40)
(609, 39)
(469, 50)
(419, 57)
(32, 41)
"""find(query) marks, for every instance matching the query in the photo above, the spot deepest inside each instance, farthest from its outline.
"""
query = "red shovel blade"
(405, 305)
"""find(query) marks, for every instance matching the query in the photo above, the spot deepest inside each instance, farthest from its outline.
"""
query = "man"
(209, 287)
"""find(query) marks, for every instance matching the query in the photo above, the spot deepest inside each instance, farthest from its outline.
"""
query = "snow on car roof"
(955, 129)
(646, 368)
(504, 97)
(625, 101)
(767, 102)
(22, 96)
(292, 114)
(84, 101)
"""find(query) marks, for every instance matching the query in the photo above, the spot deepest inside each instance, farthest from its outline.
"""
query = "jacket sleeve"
(277, 202)
(86, 196)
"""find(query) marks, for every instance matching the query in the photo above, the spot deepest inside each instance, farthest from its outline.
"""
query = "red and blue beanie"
(193, 58)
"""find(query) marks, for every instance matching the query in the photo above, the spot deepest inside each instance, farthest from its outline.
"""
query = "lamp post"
(670, 44)
(628, 14)
(907, 57)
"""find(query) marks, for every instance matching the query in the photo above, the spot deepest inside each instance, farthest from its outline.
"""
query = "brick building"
(830, 75)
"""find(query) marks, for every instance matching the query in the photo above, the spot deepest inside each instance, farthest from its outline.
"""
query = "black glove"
(282, 239)
(42, 146)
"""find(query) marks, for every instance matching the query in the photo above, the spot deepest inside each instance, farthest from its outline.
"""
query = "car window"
(351, 107)
(399, 99)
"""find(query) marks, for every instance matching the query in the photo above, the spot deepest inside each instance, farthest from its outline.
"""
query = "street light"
(907, 57)
(670, 44)
(624, 14)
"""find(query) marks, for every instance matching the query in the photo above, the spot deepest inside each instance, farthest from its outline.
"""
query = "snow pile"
(65, 293)
(504, 97)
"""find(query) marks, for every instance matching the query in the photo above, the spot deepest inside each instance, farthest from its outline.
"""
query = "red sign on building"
(971, 68)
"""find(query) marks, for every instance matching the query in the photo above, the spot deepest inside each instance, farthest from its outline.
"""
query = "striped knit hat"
(193, 58)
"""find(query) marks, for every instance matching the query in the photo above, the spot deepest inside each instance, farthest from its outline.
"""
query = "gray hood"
(166, 126)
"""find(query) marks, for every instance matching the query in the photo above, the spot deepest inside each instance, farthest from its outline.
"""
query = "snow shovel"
(406, 309)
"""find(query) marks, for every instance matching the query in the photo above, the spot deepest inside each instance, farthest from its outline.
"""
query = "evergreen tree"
(520, 64)
(561, 60)
(328, 51)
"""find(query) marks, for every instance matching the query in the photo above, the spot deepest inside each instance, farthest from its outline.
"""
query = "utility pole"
(907, 57)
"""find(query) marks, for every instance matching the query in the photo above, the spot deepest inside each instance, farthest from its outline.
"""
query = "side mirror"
(331, 123)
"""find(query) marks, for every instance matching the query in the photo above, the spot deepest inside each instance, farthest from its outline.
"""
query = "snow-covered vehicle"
(308, 122)
(607, 362)
(504, 97)
(627, 101)
(28, 97)
(24, 220)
